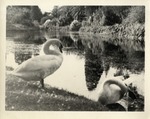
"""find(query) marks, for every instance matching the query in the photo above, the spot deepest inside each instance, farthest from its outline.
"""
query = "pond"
(88, 59)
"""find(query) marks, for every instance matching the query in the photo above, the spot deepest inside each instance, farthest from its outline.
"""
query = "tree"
(136, 14)
(55, 12)
(18, 15)
(36, 13)
(65, 17)
(78, 12)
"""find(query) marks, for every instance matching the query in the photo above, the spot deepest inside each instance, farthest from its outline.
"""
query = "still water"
(88, 59)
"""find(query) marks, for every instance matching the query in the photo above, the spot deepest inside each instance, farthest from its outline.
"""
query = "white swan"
(39, 67)
(112, 91)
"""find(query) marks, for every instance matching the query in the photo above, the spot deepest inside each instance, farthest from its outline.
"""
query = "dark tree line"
(24, 15)
(109, 15)
(64, 15)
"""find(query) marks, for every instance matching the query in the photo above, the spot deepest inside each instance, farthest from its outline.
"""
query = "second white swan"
(112, 91)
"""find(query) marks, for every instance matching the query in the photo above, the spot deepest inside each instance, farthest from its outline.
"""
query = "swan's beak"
(60, 48)
(132, 94)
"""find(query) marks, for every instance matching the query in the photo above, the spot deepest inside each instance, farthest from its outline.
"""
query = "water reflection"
(88, 60)
(93, 68)
(27, 36)
(67, 41)
(77, 41)
(19, 57)
(119, 56)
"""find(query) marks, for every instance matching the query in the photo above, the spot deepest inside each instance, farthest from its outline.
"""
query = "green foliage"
(66, 14)
(43, 19)
(18, 15)
(55, 12)
(123, 21)
(136, 14)
(106, 15)
(65, 17)
(115, 14)
(36, 13)
(75, 25)
(109, 15)
(98, 18)
(85, 23)
(63, 21)
(78, 12)
(23, 15)
(54, 22)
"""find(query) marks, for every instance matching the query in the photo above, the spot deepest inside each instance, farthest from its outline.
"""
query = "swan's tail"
(9, 72)
(119, 83)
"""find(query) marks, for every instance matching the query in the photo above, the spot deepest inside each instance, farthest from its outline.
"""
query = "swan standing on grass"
(39, 67)
(112, 91)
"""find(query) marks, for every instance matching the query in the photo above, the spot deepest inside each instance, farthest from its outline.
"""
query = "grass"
(27, 96)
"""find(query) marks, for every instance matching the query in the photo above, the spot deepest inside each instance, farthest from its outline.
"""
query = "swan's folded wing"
(37, 63)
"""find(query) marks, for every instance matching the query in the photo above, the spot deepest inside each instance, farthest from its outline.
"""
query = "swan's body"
(39, 67)
(113, 90)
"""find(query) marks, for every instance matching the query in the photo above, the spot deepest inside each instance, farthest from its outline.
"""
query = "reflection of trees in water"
(20, 57)
(94, 65)
(93, 68)
(27, 36)
(106, 55)
(74, 51)
(71, 46)
(70, 43)
(128, 44)
(66, 41)
(72, 40)
(123, 60)
(77, 40)
(50, 34)
(78, 44)
(74, 36)
(136, 61)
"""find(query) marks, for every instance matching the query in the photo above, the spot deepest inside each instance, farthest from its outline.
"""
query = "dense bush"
(108, 20)
(86, 23)
(18, 15)
(98, 18)
(65, 20)
(75, 25)
(23, 15)
(43, 19)
(136, 14)
(35, 13)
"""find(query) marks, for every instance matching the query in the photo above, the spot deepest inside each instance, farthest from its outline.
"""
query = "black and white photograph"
(75, 58)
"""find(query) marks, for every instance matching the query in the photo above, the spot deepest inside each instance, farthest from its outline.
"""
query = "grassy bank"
(23, 96)
(27, 96)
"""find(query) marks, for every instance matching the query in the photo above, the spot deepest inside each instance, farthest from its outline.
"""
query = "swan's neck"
(47, 50)
(117, 82)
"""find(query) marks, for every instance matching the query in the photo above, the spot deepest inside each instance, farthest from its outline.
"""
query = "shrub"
(137, 14)
(75, 25)
(85, 23)
(44, 19)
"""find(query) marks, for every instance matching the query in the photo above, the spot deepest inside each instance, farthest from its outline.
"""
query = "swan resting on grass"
(43, 65)
(112, 91)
